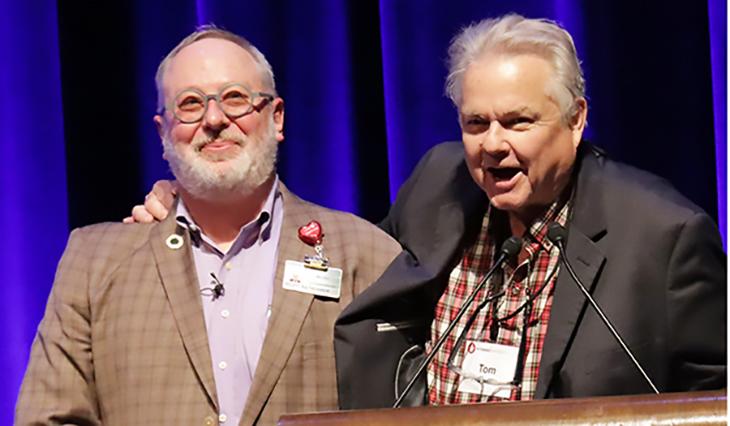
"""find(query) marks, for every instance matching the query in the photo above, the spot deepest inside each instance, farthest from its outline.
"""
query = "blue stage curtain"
(33, 207)
(650, 83)
(363, 86)
(313, 55)
(717, 11)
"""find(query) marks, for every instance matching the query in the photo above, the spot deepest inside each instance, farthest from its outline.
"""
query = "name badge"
(326, 283)
(489, 362)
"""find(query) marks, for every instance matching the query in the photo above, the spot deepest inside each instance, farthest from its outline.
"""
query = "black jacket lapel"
(587, 226)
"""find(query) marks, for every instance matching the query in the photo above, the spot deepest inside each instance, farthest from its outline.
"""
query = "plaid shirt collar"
(535, 236)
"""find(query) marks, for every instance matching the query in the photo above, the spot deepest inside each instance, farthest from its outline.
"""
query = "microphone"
(557, 234)
(509, 249)
(218, 289)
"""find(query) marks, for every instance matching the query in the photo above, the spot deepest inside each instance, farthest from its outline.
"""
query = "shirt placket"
(229, 361)
(225, 366)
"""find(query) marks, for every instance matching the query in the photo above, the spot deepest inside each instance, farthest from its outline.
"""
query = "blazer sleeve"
(437, 179)
(697, 310)
(58, 387)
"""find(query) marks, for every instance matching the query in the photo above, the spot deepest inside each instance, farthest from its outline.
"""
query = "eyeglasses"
(235, 100)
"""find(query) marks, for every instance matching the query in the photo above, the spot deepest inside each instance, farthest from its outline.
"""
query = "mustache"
(202, 140)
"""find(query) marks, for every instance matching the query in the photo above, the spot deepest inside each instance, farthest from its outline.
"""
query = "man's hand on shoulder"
(157, 203)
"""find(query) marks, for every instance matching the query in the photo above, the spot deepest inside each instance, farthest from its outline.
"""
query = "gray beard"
(241, 175)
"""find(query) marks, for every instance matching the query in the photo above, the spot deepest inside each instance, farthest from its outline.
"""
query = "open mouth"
(503, 174)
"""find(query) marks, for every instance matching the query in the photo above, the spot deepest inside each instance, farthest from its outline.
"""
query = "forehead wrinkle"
(484, 93)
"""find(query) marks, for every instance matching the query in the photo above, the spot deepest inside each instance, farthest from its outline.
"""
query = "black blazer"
(653, 260)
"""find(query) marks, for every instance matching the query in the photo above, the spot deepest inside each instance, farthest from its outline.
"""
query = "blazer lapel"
(288, 310)
(568, 302)
(587, 227)
(179, 279)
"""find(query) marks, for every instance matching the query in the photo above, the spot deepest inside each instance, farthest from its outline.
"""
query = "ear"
(159, 125)
(278, 117)
(578, 120)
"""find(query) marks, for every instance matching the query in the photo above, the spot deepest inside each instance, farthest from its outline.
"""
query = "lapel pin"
(174, 241)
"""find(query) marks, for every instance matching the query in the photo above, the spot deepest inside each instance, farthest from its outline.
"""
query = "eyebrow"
(517, 111)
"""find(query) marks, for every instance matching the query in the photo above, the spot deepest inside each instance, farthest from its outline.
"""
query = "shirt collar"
(535, 236)
(257, 230)
(537, 232)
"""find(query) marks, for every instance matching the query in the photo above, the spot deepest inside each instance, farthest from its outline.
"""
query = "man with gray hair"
(222, 313)
(651, 259)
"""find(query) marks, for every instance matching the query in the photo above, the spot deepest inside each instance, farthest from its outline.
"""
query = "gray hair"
(211, 31)
(513, 34)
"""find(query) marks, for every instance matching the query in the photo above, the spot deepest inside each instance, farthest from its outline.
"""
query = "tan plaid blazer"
(123, 339)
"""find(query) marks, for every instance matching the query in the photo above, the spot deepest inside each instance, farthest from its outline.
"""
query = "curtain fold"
(33, 199)
(717, 16)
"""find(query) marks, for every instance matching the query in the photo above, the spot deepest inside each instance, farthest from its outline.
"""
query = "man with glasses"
(653, 260)
(223, 312)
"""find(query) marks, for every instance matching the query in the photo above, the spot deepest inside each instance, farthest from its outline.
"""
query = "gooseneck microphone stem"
(559, 241)
(509, 249)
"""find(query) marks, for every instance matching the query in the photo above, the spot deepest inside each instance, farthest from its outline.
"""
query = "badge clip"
(312, 234)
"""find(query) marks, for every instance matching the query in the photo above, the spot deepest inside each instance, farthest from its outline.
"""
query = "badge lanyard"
(527, 306)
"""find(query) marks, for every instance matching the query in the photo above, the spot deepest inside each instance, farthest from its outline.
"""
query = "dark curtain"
(363, 85)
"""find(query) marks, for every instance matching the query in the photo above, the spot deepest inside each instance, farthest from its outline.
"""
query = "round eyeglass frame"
(172, 107)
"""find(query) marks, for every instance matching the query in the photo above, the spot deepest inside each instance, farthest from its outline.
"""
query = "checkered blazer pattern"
(123, 339)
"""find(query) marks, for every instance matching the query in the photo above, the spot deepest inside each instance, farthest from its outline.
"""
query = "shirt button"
(208, 421)
(222, 418)
(229, 266)
(222, 365)
(225, 313)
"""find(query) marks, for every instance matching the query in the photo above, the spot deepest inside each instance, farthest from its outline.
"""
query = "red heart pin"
(311, 233)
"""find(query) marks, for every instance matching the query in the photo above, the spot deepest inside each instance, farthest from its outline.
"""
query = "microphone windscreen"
(556, 233)
(511, 246)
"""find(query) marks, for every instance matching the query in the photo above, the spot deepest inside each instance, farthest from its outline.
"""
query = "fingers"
(164, 191)
(141, 215)
(155, 207)
(157, 203)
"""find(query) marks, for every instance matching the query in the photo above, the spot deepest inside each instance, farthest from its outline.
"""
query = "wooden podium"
(691, 408)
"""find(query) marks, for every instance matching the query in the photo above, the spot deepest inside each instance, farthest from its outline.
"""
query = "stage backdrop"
(363, 85)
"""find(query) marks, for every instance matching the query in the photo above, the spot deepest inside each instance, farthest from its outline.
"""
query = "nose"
(214, 117)
(494, 142)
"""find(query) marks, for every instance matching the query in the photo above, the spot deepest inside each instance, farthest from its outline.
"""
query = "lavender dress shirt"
(236, 320)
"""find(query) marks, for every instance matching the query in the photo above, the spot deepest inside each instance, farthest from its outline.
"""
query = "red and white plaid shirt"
(541, 261)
